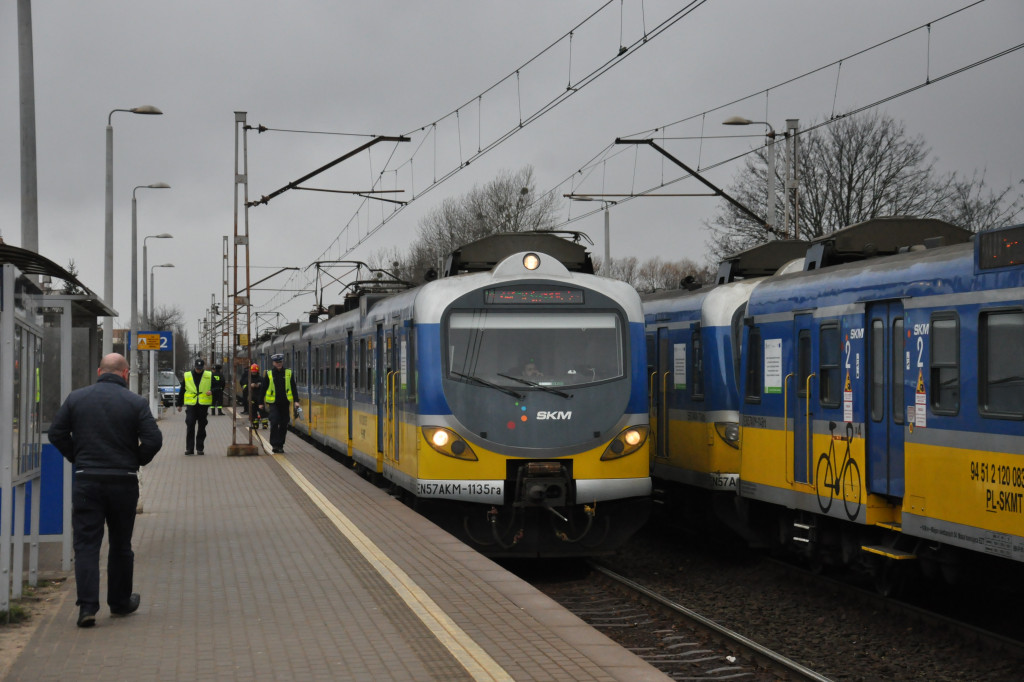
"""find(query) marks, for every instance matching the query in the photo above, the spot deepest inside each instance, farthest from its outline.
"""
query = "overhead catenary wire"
(555, 101)
(354, 241)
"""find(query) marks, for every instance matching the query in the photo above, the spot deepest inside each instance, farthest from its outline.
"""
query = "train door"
(800, 408)
(380, 380)
(659, 393)
(885, 411)
(349, 381)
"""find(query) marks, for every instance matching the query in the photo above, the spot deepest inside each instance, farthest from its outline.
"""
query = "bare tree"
(172, 319)
(857, 168)
(507, 204)
(654, 274)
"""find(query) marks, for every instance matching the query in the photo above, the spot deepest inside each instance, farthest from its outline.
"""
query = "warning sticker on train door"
(679, 366)
(773, 365)
(920, 403)
(847, 399)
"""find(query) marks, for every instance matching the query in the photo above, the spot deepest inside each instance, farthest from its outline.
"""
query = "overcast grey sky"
(393, 68)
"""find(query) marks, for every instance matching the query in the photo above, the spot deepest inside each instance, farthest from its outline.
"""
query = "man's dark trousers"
(195, 414)
(94, 500)
(279, 418)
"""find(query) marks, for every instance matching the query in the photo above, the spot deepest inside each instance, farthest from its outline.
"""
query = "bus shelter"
(49, 345)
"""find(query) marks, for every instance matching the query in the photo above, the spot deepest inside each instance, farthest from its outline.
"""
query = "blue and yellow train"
(507, 399)
(878, 386)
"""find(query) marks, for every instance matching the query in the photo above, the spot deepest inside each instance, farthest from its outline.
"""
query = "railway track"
(833, 628)
(678, 641)
(763, 659)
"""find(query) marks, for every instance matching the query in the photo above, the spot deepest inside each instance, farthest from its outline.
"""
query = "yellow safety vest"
(269, 397)
(203, 394)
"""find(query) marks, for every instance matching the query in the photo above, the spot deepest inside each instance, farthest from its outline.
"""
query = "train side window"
(876, 368)
(697, 385)
(1001, 364)
(829, 352)
(753, 368)
(945, 364)
(898, 369)
(332, 368)
(803, 361)
(410, 362)
(360, 364)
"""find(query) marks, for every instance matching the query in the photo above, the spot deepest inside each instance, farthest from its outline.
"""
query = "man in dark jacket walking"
(107, 433)
(281, 392)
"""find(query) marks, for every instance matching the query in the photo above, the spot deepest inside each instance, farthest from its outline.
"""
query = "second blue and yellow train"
(859, 398)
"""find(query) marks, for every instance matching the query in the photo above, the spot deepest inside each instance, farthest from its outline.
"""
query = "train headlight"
(729, 432)
(531, 261)
(627, 442)
(448, 443)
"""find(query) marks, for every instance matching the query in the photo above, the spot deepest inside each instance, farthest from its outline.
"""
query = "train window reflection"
(551, 349)
(1002, 364)
(945, 364)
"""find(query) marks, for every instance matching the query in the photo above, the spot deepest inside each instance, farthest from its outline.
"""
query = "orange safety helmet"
(254, 368)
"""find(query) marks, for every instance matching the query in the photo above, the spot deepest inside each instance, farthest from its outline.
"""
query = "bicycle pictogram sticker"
(838, 479)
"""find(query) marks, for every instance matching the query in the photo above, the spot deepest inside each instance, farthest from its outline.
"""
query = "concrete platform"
(292, 567)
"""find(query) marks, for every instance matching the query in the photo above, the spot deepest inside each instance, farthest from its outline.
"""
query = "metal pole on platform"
(241, 241)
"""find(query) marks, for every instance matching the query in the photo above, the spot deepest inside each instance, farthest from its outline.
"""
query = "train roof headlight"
(531, 261)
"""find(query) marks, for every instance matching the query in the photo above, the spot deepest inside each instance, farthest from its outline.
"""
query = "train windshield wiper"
(542, 387)
(484, 382)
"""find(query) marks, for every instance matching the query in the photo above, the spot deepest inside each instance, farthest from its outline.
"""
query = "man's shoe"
(200, 452)
(189, 452)
(278, 451)
(86, 618)
(133, 606)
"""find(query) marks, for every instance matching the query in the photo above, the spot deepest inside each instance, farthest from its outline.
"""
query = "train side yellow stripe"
(467, 652)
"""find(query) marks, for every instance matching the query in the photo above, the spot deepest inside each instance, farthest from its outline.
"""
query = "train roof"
(917, 273)
(760, 261)
(881, 237)
(484, 254)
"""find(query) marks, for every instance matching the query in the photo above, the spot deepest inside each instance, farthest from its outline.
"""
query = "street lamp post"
(133, 383)
(152, 287)
(152, 354)
(740, 121)
(145, 269)
(108, 261)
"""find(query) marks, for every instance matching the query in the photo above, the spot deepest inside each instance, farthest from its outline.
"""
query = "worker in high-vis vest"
(196, 395)
(282, 391)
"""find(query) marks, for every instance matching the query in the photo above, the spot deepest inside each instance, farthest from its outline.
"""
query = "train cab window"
(753, 368)
(945, 364)
(697, 385)
(513, 349)
(830, 380)
(1001, 364)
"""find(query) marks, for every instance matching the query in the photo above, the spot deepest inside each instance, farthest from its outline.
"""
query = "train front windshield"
(515, 349)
